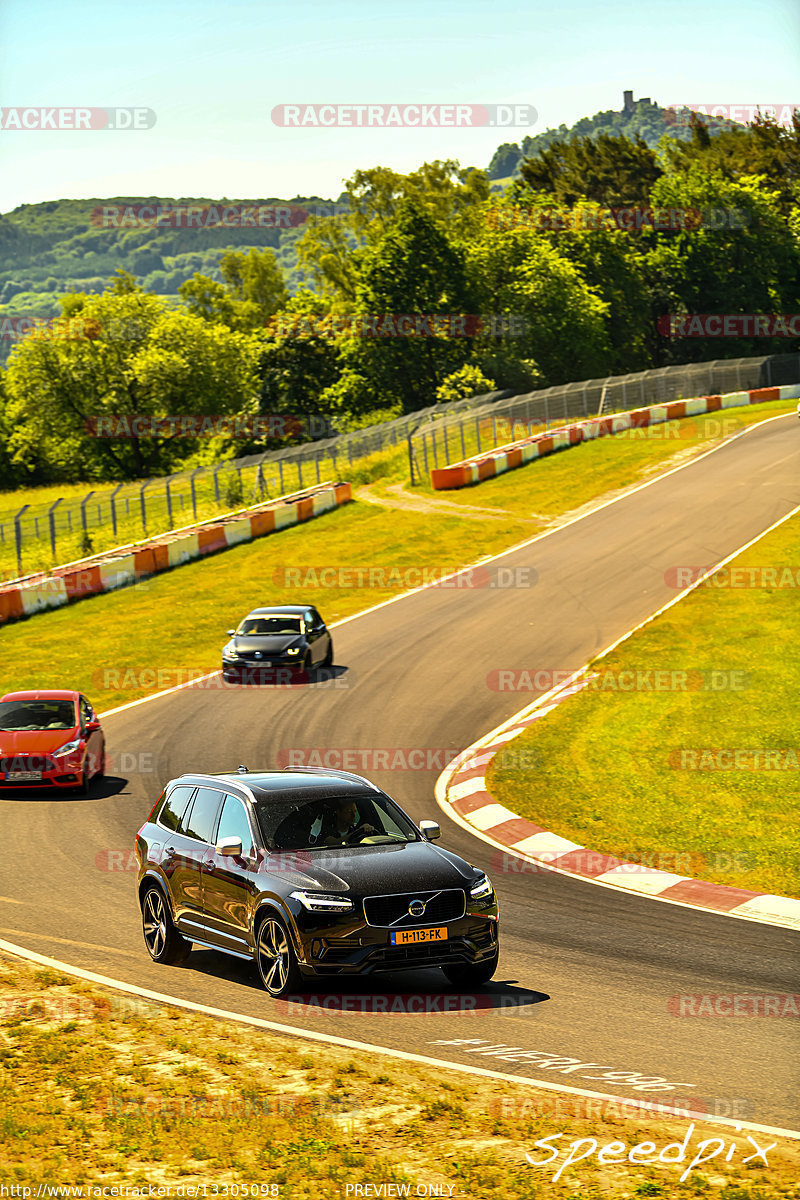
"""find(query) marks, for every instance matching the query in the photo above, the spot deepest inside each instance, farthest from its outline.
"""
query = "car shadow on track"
(336, 678)
(99, 789)
(411, 993)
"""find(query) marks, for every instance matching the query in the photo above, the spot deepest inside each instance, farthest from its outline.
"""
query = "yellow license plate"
(407, 937)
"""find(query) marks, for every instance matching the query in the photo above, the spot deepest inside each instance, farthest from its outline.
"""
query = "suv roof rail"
(334, 771)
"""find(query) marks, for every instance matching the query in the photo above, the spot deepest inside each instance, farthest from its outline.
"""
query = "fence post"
(335, 466)
(316, 464)
(478, 433)
(51, 516)
(194, 493)
(113, 503)
(463, 444)
(299, 474)
(18, 536)
(425, 452)
(435, 448)
(411, 459)
(280, 473)
(143, 505)
(216, 484)
(169, 500)
(84, 502)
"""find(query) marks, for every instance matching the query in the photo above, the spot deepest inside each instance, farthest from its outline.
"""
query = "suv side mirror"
(430, 830)
(231, 632)
(229, 847)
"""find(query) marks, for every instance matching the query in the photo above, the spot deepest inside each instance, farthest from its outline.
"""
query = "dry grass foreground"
(98, 1090)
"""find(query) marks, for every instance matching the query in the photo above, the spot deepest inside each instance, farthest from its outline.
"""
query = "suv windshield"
(317, 822)
(27, 715)
(269, 626)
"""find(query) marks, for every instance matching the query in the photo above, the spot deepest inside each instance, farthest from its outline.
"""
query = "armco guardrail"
(516, 454)
(128, 564)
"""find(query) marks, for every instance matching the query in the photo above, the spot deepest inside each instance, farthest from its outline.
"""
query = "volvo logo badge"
(416, 908)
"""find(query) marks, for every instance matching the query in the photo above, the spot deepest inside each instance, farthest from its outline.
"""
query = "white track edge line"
(351, 1044)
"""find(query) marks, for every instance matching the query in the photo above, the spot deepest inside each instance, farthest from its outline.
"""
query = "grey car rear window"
(174, 807)
(203, 814)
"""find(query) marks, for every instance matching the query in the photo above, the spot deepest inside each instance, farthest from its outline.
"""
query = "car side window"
(86, 711)
(201, 819)
(174, 807)
(233, 823)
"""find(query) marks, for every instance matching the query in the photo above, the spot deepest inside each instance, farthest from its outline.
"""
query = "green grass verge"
(618, 770)
(99, 1090)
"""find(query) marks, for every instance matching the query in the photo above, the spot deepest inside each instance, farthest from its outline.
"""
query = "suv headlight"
(67, 748)
(482, 888)
(318, 902)
(229, 651)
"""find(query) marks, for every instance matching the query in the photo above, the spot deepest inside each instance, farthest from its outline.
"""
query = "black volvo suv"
(310, 873)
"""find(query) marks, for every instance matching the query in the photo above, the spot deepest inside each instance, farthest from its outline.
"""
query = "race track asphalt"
(586, 973)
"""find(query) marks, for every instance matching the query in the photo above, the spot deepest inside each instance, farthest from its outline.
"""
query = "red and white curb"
(462, 793)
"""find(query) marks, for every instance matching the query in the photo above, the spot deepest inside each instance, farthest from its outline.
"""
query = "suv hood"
(372, 870)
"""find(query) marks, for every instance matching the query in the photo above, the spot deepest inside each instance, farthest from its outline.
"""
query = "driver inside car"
(341, 821)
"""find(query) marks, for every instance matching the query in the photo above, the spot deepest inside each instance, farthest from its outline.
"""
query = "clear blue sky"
(214, 71)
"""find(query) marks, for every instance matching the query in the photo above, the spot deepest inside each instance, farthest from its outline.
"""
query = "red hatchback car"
(50, 740)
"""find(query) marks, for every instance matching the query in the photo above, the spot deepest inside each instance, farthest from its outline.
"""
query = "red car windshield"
(28, 715)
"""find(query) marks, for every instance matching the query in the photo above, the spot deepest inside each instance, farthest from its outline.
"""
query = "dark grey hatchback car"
(310, 873)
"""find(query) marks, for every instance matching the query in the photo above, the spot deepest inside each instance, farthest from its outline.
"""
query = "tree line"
(565, 276)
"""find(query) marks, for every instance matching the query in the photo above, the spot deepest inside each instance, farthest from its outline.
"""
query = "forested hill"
(62, 246)
(643, 117)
